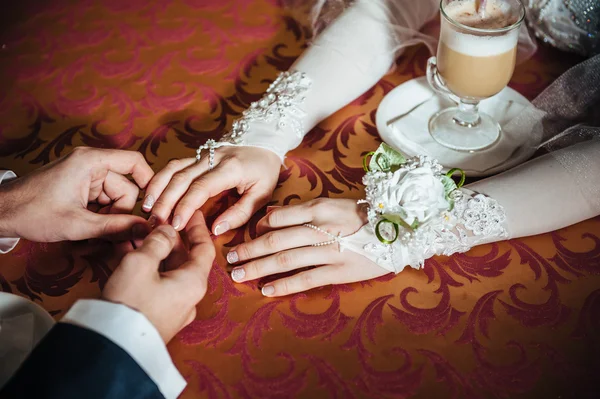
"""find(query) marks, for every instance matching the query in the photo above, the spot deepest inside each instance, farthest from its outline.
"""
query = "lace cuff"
(475, 220)
(275, 122)
(416, 212)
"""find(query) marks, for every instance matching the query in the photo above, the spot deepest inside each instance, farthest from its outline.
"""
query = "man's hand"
(51, 204)
(167, 299)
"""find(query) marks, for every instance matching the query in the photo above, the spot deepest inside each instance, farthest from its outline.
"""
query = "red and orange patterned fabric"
(517, 319)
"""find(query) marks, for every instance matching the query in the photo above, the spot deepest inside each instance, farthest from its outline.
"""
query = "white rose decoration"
(415, 195)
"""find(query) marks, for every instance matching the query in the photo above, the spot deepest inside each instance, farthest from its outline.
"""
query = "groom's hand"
(168, 298)
(51, 203)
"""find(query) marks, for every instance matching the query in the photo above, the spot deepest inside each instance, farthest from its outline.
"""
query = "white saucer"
(403, 117)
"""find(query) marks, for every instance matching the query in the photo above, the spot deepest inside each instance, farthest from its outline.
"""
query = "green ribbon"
(365, 162)
(380, 237)
(463, 176)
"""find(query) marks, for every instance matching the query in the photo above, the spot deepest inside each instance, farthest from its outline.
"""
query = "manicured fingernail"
(221, 228)
(232, 257)
(238, 274)
(168, 230)
(176, 222)
(148, 202)
(268, 290)
(139, 231)
(152, 220)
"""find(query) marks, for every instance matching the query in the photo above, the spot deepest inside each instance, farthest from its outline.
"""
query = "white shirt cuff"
(134, 333)
(7, 244)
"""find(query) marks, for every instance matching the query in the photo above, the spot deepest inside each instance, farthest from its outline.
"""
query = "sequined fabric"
(518, 319)
(570, 25)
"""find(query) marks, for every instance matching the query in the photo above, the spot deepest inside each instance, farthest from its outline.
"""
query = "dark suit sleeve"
(74, 362)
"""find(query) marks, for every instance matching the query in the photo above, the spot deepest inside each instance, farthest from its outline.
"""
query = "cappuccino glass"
(475, 60)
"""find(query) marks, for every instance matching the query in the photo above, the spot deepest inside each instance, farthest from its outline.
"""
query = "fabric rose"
(416, 195)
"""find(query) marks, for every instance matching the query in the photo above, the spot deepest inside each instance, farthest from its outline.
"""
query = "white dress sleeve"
(542, 195)
(343, 62)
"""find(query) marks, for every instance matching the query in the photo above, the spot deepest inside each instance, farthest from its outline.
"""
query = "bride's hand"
(286, 245)
(183, 186)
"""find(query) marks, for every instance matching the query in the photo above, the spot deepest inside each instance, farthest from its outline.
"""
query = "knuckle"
(284, 260)
(244, 251)
(185, 206)
(198, 186)
(233, 163)
(273, 218)
(174, 164)
(140, 157)
(180, 178)
(80, 149)
(159, 238)
(306, 281)
(272, 240)
(321, 206)
(252, 270)
(240, 212)
(283, 287)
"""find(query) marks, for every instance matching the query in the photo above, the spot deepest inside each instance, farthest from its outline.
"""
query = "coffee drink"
(477, 63)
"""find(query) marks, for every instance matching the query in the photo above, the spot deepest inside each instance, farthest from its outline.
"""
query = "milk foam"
(479, 46)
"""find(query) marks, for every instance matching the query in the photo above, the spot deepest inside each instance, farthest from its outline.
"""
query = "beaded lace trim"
(280, 103)
(472, 221)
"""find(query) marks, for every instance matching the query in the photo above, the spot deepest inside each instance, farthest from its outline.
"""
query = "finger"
(350, 268)
(178, 256)
(103, 199)
(176, 188)
(160, 180)
(123, 162)
(115, 227)
(159, 243)
(241, 212)
(304, 281)
(204, 187)
(191, 317)
(123, 192)
(192, 276)
(202, 249)
(274, 242)
(285, 216)
(285, 261)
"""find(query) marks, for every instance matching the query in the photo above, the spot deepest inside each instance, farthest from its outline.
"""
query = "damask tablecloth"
(517, 319)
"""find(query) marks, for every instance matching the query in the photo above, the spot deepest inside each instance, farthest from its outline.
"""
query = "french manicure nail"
(167, 230)
(232, 257)
(238, 274)
(152, 220)
(221, 228)
(176, 222)
(268, 290)
(148, 202)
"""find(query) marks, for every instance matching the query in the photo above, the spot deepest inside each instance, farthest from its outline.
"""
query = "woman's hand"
(184, 185)
(286, 245)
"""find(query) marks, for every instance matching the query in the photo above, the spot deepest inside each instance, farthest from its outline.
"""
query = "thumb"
(114, 227)
(241, 212)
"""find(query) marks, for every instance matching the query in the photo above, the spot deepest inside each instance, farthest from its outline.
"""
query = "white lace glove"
(416, 211)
